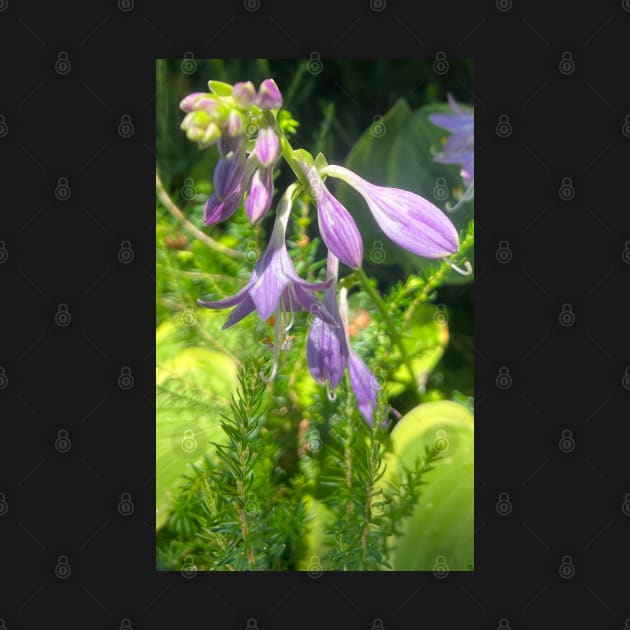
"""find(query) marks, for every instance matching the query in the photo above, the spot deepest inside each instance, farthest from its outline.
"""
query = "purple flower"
(260, 194)
(326, 345)
(267, 147)
(328, 350)
(408, 219)
(269, 96)
(274, 287)
(231, 178)
(460, 146)
(336, 225)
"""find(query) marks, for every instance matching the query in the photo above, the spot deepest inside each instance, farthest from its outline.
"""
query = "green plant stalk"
(391, 325)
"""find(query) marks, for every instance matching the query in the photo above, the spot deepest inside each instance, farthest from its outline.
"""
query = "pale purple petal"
(364, 384)
(267, 147)
(216, 210)
(326, 352)
(260, 194)
(232, 300)
(242, 310)
(409, 220)
(338, 229)
(186, 104)
(271, 282)
(269, 96)
(307, 301)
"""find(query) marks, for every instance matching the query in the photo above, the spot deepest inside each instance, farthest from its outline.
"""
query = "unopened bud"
(269, 96)
(212, 134)
(235, 123)
(244, 94)
(187, 102)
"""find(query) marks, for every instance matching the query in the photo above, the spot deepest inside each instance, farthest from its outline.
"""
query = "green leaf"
(443, 521)
(220, 88)
(193, 389)
(425, 340)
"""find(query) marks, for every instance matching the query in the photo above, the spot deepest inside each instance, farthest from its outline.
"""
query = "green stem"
(391, 325)
(288, 152)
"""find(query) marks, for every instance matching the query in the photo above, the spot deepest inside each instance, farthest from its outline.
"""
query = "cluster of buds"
(239, 120)
(243, 123)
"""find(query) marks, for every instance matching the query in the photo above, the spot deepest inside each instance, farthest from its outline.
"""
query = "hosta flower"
(269, 96)
(336, 225)
(326, 345)
(408, 219)
(274, 287)
(328, 350)
(460, 146)
(260, 195)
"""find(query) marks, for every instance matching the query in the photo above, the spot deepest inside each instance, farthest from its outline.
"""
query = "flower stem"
(391, 325)
(288, 152)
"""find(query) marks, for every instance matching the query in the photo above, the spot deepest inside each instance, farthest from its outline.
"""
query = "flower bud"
(234, 126)
(269, 96)
(186, 104)
(212, 134)
(267, 147)
(244, 94)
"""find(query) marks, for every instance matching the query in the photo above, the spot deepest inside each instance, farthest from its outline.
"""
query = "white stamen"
(330, 393)
(464, 272)
(468, 195)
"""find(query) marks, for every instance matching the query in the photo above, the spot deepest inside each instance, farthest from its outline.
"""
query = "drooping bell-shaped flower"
(328, 350)
(231, 178)
(409, 220)
(338, 229)
(274, 287)
(326, 345)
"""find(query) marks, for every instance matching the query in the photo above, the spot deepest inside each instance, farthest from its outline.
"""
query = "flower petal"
(364, 384)
(326, 353)
(241, 311)
(267, 147)
(216, 210)
(338, 229)
(411, 221)
(260, 194)
(270, 284)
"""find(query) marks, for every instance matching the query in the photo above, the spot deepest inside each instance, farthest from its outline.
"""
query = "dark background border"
(555, 440)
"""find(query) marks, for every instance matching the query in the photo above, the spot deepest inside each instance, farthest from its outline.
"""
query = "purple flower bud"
(216, 210)
(409, 220)
(260, 194)
(267, 147)
(186, 104)
(269, 96)
(244, 94)
(234, 125)
(212, 134)
(336, 225)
